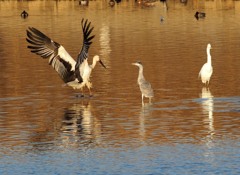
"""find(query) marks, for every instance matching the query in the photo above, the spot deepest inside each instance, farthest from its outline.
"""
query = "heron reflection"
(145, 112)
(79, 125)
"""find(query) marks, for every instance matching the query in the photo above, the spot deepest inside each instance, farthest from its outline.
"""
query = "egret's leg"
(207, 84)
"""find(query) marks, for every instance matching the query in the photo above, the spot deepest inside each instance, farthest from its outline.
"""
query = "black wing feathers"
(58, 57)
(64, 69)
(46, 48)
(87, 30)
(42, 45)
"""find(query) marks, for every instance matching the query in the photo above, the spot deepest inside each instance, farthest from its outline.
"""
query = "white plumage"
(207, 69)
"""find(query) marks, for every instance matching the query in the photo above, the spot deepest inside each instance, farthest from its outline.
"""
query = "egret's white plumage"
(74, 73)
(207, 69)
(145, 86)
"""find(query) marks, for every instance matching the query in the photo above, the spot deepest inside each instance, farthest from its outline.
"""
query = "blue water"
(188, 129)
(211, 158)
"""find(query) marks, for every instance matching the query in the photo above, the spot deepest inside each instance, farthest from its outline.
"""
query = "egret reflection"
(207, 106)
(79, 125)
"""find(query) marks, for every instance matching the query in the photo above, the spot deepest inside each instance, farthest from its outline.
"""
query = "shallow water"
(188, 129)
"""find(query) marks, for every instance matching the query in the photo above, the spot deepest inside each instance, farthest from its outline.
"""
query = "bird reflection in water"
(207, 106)
(104, 40)
(145, 111)
(79, 125)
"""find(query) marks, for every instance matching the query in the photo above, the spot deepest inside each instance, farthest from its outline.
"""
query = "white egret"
(145, 86)
(207, 69)
(74, 74)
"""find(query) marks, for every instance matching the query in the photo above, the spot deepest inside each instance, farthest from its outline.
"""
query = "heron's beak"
(102, 64)
(134, 64)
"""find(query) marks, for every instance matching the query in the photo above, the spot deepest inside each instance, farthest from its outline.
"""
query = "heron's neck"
(140, 74)
(209, 58)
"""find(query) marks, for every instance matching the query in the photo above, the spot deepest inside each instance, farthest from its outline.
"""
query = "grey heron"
(75, 74)
(145, 86)
(207, 69)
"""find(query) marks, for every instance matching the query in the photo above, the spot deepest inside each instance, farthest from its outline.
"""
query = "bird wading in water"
(75, 74)
(207, 69)
(145, 86)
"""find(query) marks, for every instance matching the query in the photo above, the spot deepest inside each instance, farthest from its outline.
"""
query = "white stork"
(75, 74)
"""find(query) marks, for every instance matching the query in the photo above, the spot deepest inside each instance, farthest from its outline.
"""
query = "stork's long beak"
(102, 64)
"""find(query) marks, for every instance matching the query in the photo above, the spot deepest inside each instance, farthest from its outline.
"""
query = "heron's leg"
(142, 100)
(150, 100)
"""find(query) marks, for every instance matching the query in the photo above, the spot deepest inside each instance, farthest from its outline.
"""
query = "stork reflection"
(79, 125)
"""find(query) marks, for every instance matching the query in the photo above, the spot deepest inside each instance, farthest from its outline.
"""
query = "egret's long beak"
(134, 64)
(102, 64)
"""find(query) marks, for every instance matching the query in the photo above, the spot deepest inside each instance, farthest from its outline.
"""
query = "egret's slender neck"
(209, 58)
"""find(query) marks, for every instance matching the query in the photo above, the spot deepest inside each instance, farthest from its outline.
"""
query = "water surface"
(188, 129)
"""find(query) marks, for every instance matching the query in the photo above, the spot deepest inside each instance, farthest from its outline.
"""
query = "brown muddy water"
(188, 129)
